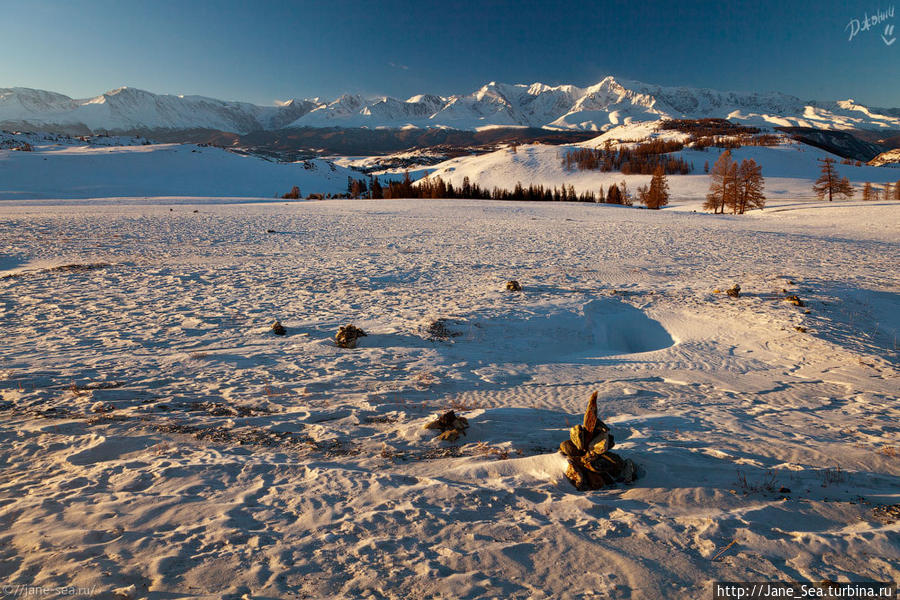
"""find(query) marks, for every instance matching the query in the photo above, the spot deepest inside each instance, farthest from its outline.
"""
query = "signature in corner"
(857, 26)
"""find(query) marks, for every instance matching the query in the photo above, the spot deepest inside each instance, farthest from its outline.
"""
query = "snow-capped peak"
(605, 104)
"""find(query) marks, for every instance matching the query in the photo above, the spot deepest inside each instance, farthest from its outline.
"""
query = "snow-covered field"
(60, 168)
(154, 433)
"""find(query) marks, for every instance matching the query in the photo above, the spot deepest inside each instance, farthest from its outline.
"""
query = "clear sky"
(267, 50)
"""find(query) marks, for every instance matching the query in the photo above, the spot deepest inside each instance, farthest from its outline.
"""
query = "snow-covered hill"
(789, 168)
(598, 107)
(890, 158)
(61, 167)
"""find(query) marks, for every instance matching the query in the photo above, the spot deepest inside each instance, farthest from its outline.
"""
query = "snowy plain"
(157, 438)
(61, 167)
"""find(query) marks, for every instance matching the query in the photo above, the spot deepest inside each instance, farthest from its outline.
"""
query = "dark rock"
(579, 437)
(513, 286)
(278, 328)
(569, 449)
(784, 490)
(793, 299)
(629, 472)
(599, 444)
(451, 435)
(608, 462)
(590, 415)
(438, 330)
(576, 474)
(347, 335)
(451, 426)
(734, 292)
(460, 423)
(443, 422)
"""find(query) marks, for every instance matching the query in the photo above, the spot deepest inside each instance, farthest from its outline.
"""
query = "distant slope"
(836, 142)
(598, 107)
(60, 168)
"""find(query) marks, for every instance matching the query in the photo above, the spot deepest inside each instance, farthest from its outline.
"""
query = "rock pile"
(734, 292)
(451, 426)
(513, 286)
(347, 335)
(591, 464)
(278, 328)
(793, 299)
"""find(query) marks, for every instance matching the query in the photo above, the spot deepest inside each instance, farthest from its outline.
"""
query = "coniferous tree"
(749, 186)
(721, 186)
(845, 188)
(613, 195)
(627, 200)
(358, 188)
(643, 194)
(406, 186)
(731, 199)
(869, 193)
(375, 190)
(830, 183)
(897, 191)
(657, 195)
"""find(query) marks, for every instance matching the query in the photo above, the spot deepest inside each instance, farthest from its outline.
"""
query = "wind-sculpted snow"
(155, 434)
(597, 107)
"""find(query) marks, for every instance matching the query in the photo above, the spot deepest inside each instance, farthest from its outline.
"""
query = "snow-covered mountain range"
(598, 107)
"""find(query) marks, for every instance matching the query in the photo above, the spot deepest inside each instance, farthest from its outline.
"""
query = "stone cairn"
(734, 291)
(347, 335)
(591, 464)
(278, 328)
(513, 286)
(451, 426)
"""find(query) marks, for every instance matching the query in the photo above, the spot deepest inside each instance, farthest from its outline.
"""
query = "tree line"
(642, 159)
(720, 133)
(888, 192)
(654, 195)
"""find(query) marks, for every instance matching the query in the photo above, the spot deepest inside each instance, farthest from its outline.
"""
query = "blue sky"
(269, 49)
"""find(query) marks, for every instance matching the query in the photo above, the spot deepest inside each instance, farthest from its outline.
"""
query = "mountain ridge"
(597, 107)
